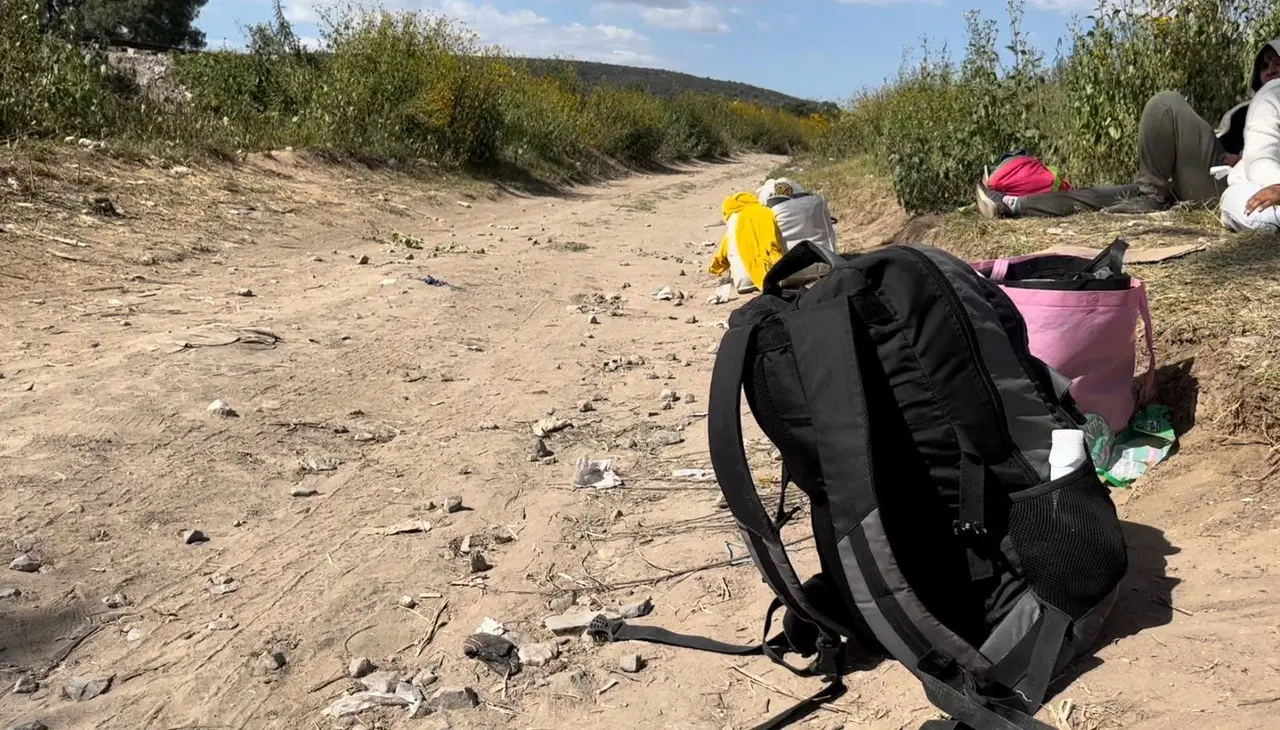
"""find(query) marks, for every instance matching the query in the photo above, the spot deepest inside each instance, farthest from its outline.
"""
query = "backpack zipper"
(971, 341)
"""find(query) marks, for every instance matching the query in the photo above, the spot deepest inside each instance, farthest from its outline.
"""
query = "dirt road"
(381, 396)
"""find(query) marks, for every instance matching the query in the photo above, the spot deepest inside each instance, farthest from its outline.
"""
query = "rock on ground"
(360, 667)
(83, 689)
(539, 655)
(454, 698)
(631, 663)
(24, 564)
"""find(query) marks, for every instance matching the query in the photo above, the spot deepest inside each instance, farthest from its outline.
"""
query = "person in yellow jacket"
(752, 243)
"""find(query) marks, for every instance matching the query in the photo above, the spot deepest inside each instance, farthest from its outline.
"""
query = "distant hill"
(672, 83)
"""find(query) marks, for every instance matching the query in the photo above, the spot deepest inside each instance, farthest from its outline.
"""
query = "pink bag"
(1087, 336)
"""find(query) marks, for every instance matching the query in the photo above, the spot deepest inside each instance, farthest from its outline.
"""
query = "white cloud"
(885, 3)
(521, 32)
(697, 16)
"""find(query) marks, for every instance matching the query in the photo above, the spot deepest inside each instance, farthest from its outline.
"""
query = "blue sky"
(819, 49)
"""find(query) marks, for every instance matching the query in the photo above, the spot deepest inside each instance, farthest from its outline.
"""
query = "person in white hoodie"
(1251, 201)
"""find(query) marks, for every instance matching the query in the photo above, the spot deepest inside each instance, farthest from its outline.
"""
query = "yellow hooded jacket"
(753, 234)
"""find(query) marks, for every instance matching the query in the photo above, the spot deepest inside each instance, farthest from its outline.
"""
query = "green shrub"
(940, 122)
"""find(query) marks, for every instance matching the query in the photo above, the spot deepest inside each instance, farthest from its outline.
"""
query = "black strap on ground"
(609, 630)
(834, 690)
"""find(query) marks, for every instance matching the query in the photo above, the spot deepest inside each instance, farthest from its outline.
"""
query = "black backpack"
(906, 405)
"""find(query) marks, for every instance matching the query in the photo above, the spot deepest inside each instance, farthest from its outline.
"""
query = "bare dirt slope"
(386, 395)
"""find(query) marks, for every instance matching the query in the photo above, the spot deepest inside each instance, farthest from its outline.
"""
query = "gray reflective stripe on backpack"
(724, 431)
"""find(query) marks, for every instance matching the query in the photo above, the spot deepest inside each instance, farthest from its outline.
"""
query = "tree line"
(161, 22)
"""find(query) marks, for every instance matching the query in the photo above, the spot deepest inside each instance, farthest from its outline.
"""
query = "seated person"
(801, 215)
(1253, 187)
(751, 245)
(1176, 152)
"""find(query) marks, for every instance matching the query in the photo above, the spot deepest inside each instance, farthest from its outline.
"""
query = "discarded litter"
(722, 295)
(548, 426)
(596, 474)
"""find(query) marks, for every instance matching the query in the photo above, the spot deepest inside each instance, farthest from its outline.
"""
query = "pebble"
(115, 600)
(478, 563)
(10, 593)
(224, 623)
(408, 257)
(539, 655)
(82, 689)
(690, 398)
(586, 406)
(454, 698)
(135, 634)
(666, 438)
(272, 661)
(244, 292)
(31, 725)
(452, 504)
(364, 259)
(562, 602)
(636, 610)
(548, 426)
(191, 537)
(572, 622)
(381, 681)
(26, 685)
(425, 678)
(593, 319)
(540, 450)
(25, 564)
(299, 490)
(492, 627)
(631, 663)
(407, 602)
(360, 667)
(693, 319)
(222, 410)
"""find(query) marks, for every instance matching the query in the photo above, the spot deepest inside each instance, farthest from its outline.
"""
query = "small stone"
(365, 438)
(478, 563)
(452, 504)
(425, 678)
(586, 406)
(300, 490)
(115, 600)
(573, 622)
(454, 698)
(666, 438)
(562, 602)
(381, 681)
(690, 398)
(593, 319)
(180, 171)
(221, 410)
(10, 593)
(31, 725)
(693, 319)
(539, 655)
(83, 689)
(24, 563)
(488, 426)
(631, 663)
(492, 627)
(191, 537)
(408, 257)
(360, 667)
(636, 610)
(26, 685)
(221, 579)
(272, 661)
(548, 426)
(407, 602)
(244, 292)
(364, 259)
(464, 547)
(540, 450)
(668, 395)
(224, 623)
(134, 634)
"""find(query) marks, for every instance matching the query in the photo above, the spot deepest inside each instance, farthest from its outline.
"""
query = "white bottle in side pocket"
(1068, 452)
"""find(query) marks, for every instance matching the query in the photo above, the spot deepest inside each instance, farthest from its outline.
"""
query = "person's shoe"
(992, 204)
(1138, 205)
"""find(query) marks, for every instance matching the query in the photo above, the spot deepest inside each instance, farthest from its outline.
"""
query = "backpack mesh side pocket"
(1068, 540)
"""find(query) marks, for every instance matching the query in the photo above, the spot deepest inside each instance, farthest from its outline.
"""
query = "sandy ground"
(386, 395)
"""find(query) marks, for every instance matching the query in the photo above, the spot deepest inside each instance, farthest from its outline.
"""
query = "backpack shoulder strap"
(724, 434)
